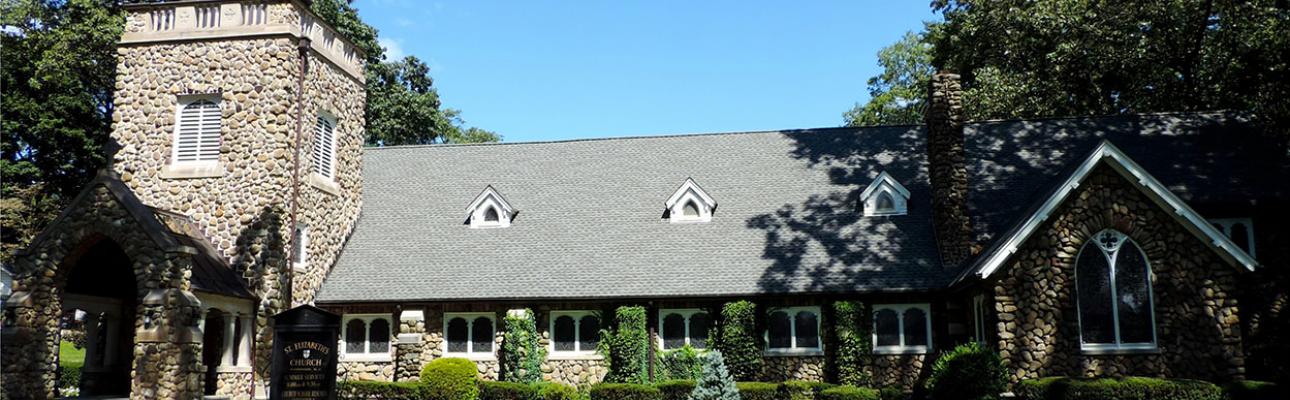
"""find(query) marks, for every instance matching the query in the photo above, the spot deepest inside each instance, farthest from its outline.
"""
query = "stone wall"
(904, 371)
(798, 368)
(365, 370)
(947, 170)
(235, 385)
(1197, 325)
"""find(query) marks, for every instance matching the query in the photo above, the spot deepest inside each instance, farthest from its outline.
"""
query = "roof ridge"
(637, 137)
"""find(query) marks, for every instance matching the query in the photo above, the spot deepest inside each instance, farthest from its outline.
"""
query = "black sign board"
(304, 354)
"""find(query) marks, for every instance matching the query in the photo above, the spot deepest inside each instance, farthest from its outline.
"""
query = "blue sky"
(550, 70)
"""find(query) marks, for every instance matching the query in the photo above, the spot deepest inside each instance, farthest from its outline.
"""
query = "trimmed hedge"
(677, 389)
(521, 354)
(451, 379)
(556, 391)
(738, 340)
(891, 393)
(796, 390)
(969, 371)
(370, 390)
(758, 390)
(854, 343)
(627, 346)
(849, 393)
(493, 390)
(1131, 388)
(624, 391)
(1254, 390)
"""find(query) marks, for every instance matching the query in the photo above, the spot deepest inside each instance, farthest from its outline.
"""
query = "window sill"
(383, 357)
(472, 357)
(896, 350)
(192, 170)
(574, 356)
(326, 185)
(794, 353)
(1118, 350)
(231, 369)
(299, 268)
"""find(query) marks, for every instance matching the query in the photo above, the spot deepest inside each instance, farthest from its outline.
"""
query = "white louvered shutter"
(324, 147)
(197, 133)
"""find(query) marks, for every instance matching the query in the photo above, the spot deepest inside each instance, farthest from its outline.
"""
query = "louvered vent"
(197, 136)
(324, 147)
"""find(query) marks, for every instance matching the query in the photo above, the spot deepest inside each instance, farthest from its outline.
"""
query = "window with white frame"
(884, 196)
(469, 335)
(574, 332)
(1240, 230)
(1113, 288)
(978, 318)
(197, 131)
(689, 204)
(902, 328)
(793, 330)
(324, 151)
(300, 248)
(366, 337)
(681, 327)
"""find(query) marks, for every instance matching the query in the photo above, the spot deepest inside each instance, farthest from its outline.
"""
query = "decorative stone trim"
(192, 171)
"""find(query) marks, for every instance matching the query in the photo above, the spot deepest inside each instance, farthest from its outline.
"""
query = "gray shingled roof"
(590, 219)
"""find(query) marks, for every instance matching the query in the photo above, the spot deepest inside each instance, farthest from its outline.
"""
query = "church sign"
(304, 354)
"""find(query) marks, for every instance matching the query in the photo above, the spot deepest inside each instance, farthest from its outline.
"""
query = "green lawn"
(70, 356)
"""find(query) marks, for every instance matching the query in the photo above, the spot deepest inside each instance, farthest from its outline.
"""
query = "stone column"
(407, 349)
(92, 340)
(244, 348)
(227, 355)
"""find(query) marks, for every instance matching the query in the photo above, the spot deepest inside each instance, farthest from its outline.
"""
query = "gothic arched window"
(1113, 288)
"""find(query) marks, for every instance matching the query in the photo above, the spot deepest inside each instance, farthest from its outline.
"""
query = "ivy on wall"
(738, 341)
(851, 329)
(625, 346)
(522, 353)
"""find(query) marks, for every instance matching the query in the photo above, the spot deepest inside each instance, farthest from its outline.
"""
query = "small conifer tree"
(716, 383)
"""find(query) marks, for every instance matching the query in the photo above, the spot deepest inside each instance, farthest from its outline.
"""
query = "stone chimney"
(947, 169)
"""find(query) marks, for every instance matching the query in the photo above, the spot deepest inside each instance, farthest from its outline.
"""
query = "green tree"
(58, 75)
(1088, 57)
(522, 354)
(896, 95)
(715, 383)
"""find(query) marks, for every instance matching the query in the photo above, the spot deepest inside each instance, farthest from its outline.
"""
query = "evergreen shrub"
(758, 390)
(679, 364)
(738, 341)
(716, 383)
(624, 391)
(969, 372)
(847, 392)
(1254, 390)
(1131, 388)
(796, 390)
(451, 379)
(493, 390)
(556, 391)
(521, 354)
(626, 346)
(370, 390)
(851, 328)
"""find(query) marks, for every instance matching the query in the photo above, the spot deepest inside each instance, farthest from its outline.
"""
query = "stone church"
(239, 187)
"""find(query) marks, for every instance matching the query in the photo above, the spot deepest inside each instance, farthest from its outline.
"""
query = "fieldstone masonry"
(1197, 323)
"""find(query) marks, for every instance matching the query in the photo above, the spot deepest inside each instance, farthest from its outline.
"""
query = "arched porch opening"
(101, 297)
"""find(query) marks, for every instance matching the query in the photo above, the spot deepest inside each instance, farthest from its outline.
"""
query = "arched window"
(367, 337)
(490, 215)
(469, 334)
(575, 332)
(901, 329)
(378, 336)
(780, 331)
(885, 203)
(673, 331)
(565, 333)
(691, 210)
(1113, 287)
(794, 330)
(355, 336)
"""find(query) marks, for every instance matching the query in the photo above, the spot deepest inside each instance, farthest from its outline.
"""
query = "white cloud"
(393, 51)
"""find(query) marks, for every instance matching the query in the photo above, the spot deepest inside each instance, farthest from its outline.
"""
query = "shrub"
(738, 340)
(627, 346)
(757, 390)
(676, 389)
(556, 391)
(854, 343)
(1253, 390)
(521, 355)
(796, 390)
(891, 393)
(369, 390)
(624, 391)
(1132, 388)
(680, 364)
(69, 376)
(492, 390)
(716, 383)
(849, 393)
(450, 379)
(969, 371)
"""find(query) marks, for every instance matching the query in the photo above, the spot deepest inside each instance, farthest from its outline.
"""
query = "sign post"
(304, 354)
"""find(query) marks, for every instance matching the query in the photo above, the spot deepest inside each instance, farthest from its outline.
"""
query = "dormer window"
(885, 196)
(689, 204)
(489, 210)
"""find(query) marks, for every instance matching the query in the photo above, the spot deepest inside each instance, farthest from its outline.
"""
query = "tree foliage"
(738, 340)
(626, 346)
(522, 354)
(1084, 57)
(715, 383)
(851, 328)
(897, 95)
